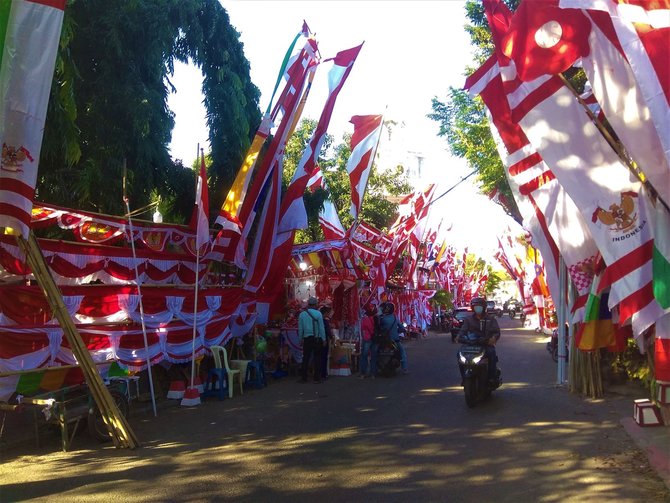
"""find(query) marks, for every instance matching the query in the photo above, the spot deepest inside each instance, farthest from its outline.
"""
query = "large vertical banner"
(29, 34)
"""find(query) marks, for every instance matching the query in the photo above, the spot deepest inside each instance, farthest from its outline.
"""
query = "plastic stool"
(216, 376)
(255, 375)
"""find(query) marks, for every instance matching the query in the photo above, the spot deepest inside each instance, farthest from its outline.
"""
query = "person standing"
(312, 333)
(325, 312)
(389, 324)
(369, 324)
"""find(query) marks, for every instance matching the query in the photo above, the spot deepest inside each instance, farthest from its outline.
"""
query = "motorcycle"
(513, 311)
(388, 357)
(552, 347)
(474, 364)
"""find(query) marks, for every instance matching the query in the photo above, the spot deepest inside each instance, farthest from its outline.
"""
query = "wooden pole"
(116, 423)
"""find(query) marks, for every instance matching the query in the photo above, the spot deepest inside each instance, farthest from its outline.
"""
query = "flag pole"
(192, 395)
(139, 290)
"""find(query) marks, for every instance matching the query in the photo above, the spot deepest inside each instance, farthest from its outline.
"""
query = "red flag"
(544, 39)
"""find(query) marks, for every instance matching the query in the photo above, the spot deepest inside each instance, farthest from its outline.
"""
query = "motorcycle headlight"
(477, 359)
(462, 359)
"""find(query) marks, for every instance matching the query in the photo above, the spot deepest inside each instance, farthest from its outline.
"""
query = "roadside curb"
(655, 443)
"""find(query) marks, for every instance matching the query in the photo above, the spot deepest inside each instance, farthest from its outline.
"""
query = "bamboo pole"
(139, 294)
(119, 429)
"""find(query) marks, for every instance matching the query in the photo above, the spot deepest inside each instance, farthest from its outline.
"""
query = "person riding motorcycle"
(389, 324)
(485, 326)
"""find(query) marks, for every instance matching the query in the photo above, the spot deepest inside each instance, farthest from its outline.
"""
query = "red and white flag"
(328, 218)
(640, 29)
(564, 35)
(293, 215)
(200, 217)
(31, 32)
(300, 69)
(367, 132)
(412, 210)
(263, 251)
(609, 197)
(548, 212)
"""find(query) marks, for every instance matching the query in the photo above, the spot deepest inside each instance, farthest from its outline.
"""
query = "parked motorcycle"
(474, 364)
(552, 347)
(388, 357)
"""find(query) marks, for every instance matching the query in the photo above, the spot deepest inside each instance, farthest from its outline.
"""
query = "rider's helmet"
(388, 308)
(478, 305)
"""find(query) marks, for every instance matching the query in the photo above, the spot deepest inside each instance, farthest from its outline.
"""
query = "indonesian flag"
(200, 217)
(328, 218)
(367, 131)
(642, 31)
(548, 212)
(544, 39)
(541, 35)
(608, 196)
(31, 32)
(412, 210)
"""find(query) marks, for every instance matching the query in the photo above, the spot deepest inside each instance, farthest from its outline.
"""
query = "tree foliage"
(108, 105)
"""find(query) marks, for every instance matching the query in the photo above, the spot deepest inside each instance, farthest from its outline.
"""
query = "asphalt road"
(408, 438)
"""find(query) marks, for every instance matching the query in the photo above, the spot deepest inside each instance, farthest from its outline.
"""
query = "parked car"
(458, 315)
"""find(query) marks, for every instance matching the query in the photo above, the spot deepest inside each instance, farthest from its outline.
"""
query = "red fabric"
(536, 55)
(99, 301)
(13, 344)
(662, 359)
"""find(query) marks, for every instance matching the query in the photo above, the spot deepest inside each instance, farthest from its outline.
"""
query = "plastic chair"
(221, 362)
(240, 365)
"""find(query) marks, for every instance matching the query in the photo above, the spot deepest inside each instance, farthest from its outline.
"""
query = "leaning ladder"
(117, 425)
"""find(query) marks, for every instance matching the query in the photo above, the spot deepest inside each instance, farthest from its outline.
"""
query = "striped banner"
(29, 33)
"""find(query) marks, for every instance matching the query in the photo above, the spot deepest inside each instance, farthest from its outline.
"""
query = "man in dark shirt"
(485, 326)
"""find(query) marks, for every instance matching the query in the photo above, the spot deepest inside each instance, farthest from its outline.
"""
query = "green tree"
(444, 298)
(109, 103)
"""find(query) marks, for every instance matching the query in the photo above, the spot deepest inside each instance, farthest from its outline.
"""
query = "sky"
(412, 51)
